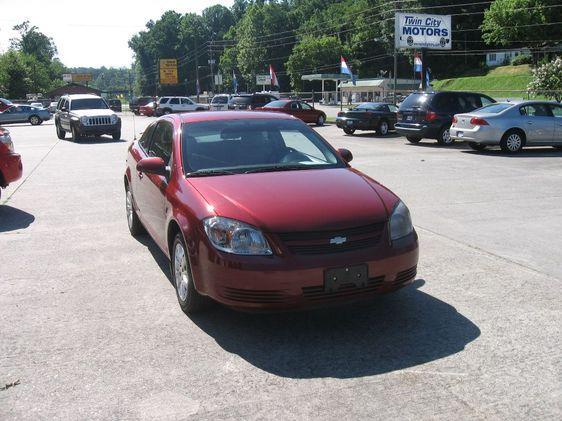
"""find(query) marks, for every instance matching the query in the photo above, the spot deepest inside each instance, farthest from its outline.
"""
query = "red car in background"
(299, 109)
(5, 104)
(147, 109)
(256, 210)
(11, 167)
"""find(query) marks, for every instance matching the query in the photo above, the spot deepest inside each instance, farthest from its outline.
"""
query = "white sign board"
(416, 30)
(263, 80)
(218, 79)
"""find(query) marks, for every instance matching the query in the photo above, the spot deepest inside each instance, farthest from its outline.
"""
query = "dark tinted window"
(536, 110)
(472, 102)
(448, 103)
(88, 104)
(416, 100)
(242, 100)
(175, 101)
(161, 144)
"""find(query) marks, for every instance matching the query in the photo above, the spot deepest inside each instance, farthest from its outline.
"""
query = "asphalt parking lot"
(90, 327)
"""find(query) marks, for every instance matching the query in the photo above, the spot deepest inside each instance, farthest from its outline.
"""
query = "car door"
(154, 186)
(64, 114)
(538, 123)
(8, 115)
(557, 113)
(137, 177)
(393, 111)
(293, 108)
(175, 105)
(187, 105)
(309, 114)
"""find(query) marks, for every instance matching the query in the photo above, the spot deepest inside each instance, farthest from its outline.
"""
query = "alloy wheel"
(34, 120)
(129, 207)
(384, 128)
(514, 142)
(181, 271)
(446, 137)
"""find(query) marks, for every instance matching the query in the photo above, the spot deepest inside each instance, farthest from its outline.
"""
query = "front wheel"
(189, 299)
(61, 134)
(75, 134)
(382, 128)
(167, 111)
(445, 137)
(347, 130)
(321, 120)
(116, 135)
(413, 139)
(34, 120)
(133, 221)
(477, 146)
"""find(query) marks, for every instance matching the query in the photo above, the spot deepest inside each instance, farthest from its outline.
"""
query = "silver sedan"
(511, 126)
(24, 114)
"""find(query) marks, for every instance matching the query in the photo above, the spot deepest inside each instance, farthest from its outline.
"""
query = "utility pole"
(395, 58)
(211, 62)
(196, 72)
(424, 69)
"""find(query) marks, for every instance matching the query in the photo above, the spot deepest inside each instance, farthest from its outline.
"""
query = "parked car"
(115, 105)
(136, 103)
(220, 102)
(147, 109)
(178, 104)
(368, 116)
(238, 202)
(250, 101)
(23, 114)
(52, 107)
(5, 104)
(86, 115)
(511, 126)
(430, 114)
(11, 168)
(36, 104)
(299, 109)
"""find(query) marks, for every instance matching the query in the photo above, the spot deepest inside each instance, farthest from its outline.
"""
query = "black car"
(115, 105)
(430, 114)
(377, 116)
(136, 103)
(249, 101)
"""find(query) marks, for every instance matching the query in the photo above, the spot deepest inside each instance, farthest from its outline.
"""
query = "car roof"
(82, 96)
(230, 115)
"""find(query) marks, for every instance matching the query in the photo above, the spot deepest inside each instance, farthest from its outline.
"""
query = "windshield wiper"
(281, 168)
(206, 173)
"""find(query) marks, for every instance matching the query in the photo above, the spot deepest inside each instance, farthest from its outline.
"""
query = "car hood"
(308, 200)
(93, 113)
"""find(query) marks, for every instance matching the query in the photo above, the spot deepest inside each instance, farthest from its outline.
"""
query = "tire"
(35, 120)
(347, 130)
(413, 139)
(74, 134)
(382, 128)
(116, 135)
(444, 138)
(512, 141)
(167, 111)
(477, 146)
(321, 120)
(61, 134)
(133, 221)
(189, 299)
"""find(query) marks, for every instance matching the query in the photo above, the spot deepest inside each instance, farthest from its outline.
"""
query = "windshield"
(493, 108)
(240, 146)
(88, 104)
(219, 100)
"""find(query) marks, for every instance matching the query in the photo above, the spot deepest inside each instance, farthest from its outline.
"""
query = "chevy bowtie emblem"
(338, 240)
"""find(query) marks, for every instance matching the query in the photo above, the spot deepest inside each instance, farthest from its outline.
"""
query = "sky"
(91, 33)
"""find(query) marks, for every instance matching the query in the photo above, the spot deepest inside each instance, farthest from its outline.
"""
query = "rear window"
(493, 108)
(276, 104)
(245, 100)
(416, 100)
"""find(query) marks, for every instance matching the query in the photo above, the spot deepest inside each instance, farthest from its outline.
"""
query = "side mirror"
(64, 109)
(153, 165)
(346, 154)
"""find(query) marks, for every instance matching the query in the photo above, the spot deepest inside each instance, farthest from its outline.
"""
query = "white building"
(499, 58)
(377, 89)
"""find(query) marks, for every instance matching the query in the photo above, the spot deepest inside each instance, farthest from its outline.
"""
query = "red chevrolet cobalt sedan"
(257, 211)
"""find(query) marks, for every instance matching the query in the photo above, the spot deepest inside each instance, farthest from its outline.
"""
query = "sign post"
(263, 80)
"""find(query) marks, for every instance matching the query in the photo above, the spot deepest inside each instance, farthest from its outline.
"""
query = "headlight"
(84, 120)
(232, 236)
(114, 119)
(400, 222)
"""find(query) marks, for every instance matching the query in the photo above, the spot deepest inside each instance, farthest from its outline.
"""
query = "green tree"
(15, 78)
(547, 80)
(33, 42)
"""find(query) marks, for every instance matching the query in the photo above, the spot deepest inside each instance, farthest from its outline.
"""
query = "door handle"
(529, 122)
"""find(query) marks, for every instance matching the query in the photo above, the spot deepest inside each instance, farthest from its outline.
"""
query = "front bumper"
(417, 130)
(295, 282)
(11, 168)
(484, 135)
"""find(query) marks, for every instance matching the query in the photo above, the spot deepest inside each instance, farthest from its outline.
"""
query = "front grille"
(405, 275)
(318, 293)
(98, 121)
(326, 242)
(254, 295)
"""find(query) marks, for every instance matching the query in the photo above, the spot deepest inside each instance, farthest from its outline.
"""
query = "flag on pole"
(273, 76)
(234, 83)
(427, 76)
(344, 68)
(417, 63)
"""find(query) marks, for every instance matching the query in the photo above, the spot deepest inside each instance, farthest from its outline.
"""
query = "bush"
(547, 80)
(521, 59)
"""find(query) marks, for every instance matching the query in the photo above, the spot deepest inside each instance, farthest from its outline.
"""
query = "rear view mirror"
(153, 165)
(346, 154)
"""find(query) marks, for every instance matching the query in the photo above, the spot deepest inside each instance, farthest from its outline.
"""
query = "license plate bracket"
(356, 275)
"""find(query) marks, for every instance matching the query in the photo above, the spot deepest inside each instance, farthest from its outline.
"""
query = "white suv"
(178, 104)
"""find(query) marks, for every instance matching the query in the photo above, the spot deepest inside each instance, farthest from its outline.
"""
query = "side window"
(536, 110)
(393, 108)
(174, 101)
(294, 106)
(485, 101)
(145, 138)
(186, 101)
(556, 110)
(305, 106)
(161, 144)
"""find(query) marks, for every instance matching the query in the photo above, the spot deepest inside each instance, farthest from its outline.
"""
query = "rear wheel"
(413, 139)
(347, 130)
(477, 146)
(189, 299)
(382, 128)
(512, 141)
(34, 120)
(61, 134)
(445, 137)
(321, 120)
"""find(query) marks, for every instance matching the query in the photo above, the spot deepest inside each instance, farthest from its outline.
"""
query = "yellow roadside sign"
(81, 77)
(168, 71)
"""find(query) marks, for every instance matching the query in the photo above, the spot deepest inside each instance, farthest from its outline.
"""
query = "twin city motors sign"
(415, 30)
